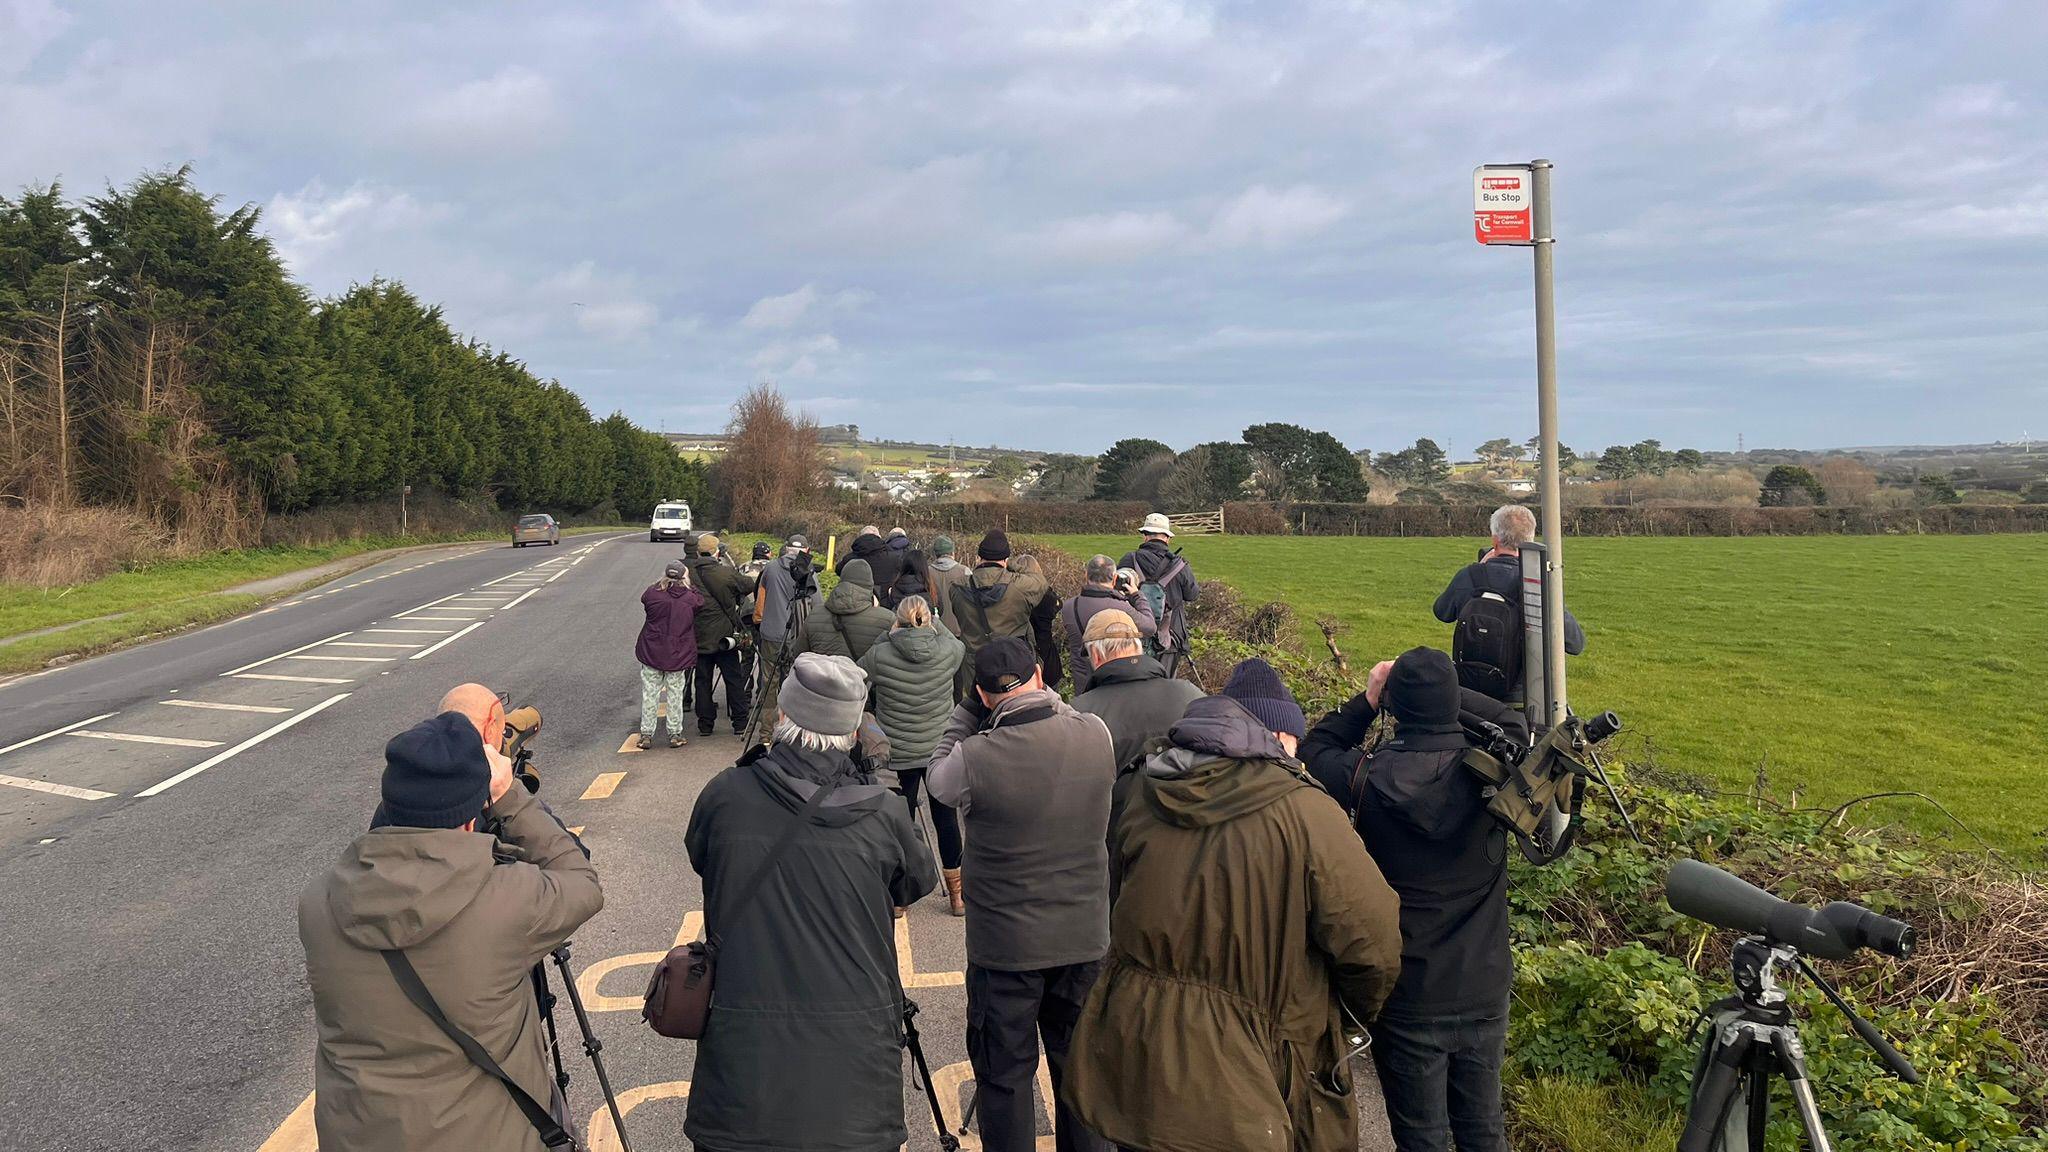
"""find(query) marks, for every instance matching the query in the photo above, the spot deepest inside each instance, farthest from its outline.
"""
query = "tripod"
(592, 1046)
(1753, 1039)
(947, 1141)
(799, 616)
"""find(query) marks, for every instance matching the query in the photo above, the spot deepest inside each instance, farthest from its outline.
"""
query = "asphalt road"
(153, 844)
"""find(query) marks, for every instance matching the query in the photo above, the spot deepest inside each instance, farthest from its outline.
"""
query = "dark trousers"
(1008, 1015)
(728, 665)
(1441, 1078)
(945, 823)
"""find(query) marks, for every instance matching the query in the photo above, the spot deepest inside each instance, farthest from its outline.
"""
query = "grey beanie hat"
(825, 694)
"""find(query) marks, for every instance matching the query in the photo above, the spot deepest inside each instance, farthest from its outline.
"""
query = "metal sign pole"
(1546, 415)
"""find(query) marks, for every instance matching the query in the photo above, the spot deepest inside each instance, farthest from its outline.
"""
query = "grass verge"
(1829, 667)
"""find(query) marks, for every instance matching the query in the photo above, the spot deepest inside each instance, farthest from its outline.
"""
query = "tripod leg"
(546, 997)
(1793, 1064)
(1713, 1098)
(947, 1142)
(592, 1046)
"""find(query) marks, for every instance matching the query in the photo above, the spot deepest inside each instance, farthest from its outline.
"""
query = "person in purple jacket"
(667, 650)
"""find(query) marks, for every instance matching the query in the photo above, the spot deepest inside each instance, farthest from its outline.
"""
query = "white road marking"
(55, 789)
(414, 631)
(349, 659)
(222, 707)
(555, 577)
(139, 738)
(282, 655)
(54, 732)
(440, 644)
(522, 596)
(293, 679)
(430, 603)
(244, 746)
(368, 644)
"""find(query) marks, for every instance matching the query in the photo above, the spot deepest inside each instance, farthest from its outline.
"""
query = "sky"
(1052, 224)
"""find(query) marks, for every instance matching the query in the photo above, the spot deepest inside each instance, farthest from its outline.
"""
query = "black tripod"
(592, 1046)
(1753, 1040)
(947, 1141)
(800, 612)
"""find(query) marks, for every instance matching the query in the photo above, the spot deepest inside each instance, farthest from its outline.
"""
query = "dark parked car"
(536, 529)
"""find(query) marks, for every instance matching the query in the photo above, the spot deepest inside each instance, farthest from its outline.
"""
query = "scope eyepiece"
(1600, 727)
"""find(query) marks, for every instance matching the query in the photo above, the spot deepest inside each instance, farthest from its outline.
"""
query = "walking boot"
(954, 903)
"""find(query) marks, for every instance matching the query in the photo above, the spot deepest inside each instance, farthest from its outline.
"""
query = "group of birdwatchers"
(1196, 906)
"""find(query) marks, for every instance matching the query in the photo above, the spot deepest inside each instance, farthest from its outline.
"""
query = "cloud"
(791, 309)
(26, 28)
(1271, 218)
(1109, 238)
(509, 109)
(313, 223)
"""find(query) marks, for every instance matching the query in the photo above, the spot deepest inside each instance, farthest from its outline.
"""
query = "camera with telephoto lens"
(521, 725)
(804, 572)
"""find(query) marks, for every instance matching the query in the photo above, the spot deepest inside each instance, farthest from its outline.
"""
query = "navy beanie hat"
(436, 774)
(1422, 690)
(1260, 690)
(995, 547)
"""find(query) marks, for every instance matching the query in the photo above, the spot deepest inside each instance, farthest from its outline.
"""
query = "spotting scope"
(1834, 931)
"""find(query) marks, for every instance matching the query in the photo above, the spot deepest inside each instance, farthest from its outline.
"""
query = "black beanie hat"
(436, 774)
(995, 547)
(1422, 689)
(1260, 690)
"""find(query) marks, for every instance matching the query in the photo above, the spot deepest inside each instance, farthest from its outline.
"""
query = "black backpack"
(1486, 647)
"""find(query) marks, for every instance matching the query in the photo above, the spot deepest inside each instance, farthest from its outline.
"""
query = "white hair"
(1112, 648)
(787, 731)
(1512, 525)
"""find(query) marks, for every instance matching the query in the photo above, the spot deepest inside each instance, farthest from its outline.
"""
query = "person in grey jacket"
(911, 672)
(786, 605)
(1132, 692)
(942, 572)
(1107, 587)
(853, 620)
(1031, 778)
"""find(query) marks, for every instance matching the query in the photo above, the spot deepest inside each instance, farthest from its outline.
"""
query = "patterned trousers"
(652, 684)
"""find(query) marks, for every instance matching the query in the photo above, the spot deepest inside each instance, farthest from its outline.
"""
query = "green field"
(1855, 664)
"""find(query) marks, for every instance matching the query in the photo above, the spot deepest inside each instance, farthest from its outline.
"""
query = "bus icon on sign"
(1501, 211)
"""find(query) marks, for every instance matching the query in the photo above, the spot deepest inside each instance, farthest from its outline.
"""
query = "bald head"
(481, 706)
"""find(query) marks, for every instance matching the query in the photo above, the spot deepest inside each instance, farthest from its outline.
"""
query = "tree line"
(155, 354)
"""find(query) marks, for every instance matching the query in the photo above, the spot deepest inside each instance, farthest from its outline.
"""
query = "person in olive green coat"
(912, 671)
(853, 620)
(1247, 911)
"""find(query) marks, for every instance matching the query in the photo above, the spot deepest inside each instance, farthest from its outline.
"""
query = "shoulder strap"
(551, 1133)
(745, 898)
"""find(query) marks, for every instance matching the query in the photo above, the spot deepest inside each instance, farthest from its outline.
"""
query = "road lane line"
(55, 732)
(222, 707)
(138, 738)
(414, 631)
(349, 659)
(282, 655)
(55, 789)
(244, 746)
(296, 1134)
(501, 579)
(431, 603)
(368, 644)
(522, 596)
(605, 784)
(291, 679)
(440, 644)
(555, 577)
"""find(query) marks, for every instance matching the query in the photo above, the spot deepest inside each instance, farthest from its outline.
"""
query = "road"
(161, 808)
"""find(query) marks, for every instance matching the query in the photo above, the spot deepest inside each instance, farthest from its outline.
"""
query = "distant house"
(1520, 486)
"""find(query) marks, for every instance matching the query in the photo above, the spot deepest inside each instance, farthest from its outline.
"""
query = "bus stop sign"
(1501, 210)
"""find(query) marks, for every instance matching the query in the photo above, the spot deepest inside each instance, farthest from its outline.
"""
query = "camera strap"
(551, 1131)
(744, 899)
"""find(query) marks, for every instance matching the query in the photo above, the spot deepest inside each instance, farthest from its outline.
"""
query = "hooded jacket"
(852, 621)
(778, 604)
(911, 671)
(1006, 599)
(1076, 613)
(723, 588)
(1248, 908)
(911, 579)
(1139, 702)
(474, 915)
(803, 1050)
(941, 575)
(668, 637)
(1422, 814)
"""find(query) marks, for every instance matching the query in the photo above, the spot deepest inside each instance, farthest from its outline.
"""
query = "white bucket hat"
(1156, 525)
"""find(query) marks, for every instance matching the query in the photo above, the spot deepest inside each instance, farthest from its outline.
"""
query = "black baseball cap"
(1004, 664)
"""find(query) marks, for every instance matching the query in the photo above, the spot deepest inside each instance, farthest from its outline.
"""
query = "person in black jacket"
(721, 623)
(1499, 570)
(1441, 1038)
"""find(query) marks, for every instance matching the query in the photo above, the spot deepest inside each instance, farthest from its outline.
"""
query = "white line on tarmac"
(54, 732)
(55, 789)
(432, 619)
(139, 738)
(292, 679)
(555, 577)
(414, 631)
(244, 746)
(440, 644)
(222, 707)
(368, 644)
(431, 603)
(282, 655)
(349, 659)
(522, 596)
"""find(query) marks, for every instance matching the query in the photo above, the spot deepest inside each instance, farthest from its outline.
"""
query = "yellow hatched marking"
(605, 784)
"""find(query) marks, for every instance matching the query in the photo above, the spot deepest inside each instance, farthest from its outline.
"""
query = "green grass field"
(1855, 664)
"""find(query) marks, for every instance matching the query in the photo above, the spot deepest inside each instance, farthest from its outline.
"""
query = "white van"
(671, 522)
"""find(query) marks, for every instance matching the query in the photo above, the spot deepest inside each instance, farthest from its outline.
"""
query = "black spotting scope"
(1833, 932)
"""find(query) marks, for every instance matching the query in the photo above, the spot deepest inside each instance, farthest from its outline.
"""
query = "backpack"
(1167, 636)
(1486, 646)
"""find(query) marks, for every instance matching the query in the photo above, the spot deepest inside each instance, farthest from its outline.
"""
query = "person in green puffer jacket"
(911, 671)
(853, 620)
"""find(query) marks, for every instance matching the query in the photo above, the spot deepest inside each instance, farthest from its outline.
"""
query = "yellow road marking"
(296, 1133)
(605, 1138)
(587, 982)
(605, 784)
(906, 964)
(576, 831)
(632, 744)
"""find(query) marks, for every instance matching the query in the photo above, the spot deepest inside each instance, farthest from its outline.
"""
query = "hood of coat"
(1420, 780)
(852, 597)
(1222, 764)
(791, 774)
(942, 564)
(399, 886)
(916, 645)
(1129, 670)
